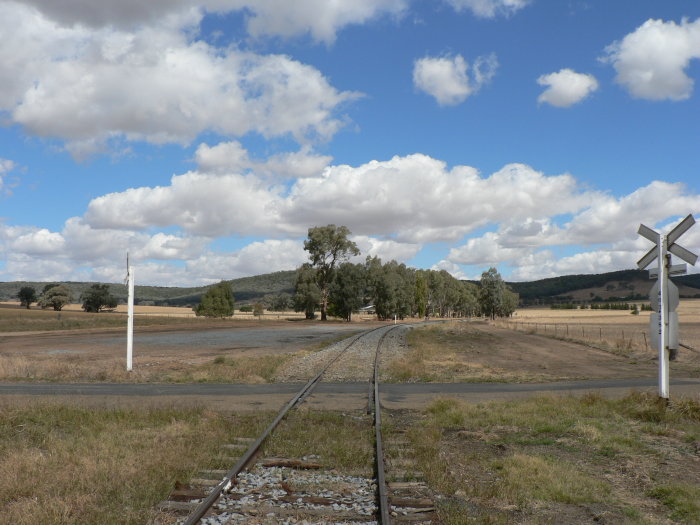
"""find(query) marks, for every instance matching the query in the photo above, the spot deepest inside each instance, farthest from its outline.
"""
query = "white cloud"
(38, 242)
(79, 84)
(489, 8)
(414, 198)
(259, 257)
(417, 199)
(202, 204)
(487, 250)
(610, 224)
(385, 249)
(227, 157)
(651, 62)
(319, 18)
(450, 267)
(566, 88)
(447, 79)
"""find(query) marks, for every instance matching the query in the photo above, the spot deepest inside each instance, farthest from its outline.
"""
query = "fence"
(614, 336)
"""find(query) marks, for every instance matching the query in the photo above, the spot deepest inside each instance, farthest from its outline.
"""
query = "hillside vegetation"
(620, 285)
(245, 290)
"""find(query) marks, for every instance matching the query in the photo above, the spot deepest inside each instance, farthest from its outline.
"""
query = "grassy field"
(67, 465)
(563, 460)
(72, 317)
(616, 329)
(543, 460)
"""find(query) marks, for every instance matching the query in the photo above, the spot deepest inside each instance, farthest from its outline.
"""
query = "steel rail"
(382, 496)
(249, 454)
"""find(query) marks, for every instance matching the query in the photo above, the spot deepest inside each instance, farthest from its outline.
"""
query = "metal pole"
(130, 321)
(663, 355)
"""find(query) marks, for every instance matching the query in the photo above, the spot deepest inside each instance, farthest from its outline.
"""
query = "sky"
(205, 137)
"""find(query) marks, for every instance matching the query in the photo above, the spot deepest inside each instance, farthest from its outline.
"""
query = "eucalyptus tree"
(307, 294)
(491, 293)
(328, 246)
(421, 293)
(348, 290)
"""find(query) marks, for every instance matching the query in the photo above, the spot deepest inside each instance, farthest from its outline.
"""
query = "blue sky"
(206, 137)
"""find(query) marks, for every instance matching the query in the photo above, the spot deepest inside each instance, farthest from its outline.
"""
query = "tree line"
(332, 285)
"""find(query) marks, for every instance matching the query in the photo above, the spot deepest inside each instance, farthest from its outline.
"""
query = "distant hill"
(611, 286)
(246, 290)
(620, 285)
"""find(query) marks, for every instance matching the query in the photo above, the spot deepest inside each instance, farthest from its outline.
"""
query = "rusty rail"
(249, 454)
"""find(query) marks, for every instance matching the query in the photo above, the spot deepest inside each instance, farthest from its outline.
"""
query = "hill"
(611, 286)
(246, 290)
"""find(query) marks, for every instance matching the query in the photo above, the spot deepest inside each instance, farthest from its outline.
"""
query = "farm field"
(617, 329)
(92, 347)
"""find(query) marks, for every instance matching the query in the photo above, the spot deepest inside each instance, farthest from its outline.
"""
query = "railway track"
(298, 490)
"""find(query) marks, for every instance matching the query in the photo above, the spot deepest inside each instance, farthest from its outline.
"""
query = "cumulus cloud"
(419, 200)
(227, 157)
(414, 199)
(651, 62)
(78, 84)
(566, 88)
(385, 249)
(609, 224)
(200, 203)
(451, 268)
(318, 18)
(447, 78)
(489, 8)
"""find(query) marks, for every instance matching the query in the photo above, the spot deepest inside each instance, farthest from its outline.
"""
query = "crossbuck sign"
(663, 323)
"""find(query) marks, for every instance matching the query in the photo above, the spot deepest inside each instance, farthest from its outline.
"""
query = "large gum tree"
(328, 246)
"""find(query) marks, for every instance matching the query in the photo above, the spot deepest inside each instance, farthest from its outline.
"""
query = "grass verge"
(563, 460)
(66, 465)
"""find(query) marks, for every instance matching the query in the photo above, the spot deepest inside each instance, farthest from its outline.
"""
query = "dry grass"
(16, 319)
(451, 352)
(74, 368)
(563, 460)
(342, 441)
(66, 465)
(615, 330)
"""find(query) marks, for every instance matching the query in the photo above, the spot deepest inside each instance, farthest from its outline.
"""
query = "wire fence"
(628, 339)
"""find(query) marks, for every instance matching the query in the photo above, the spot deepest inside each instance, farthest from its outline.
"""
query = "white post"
(663, 320)
(130, 320)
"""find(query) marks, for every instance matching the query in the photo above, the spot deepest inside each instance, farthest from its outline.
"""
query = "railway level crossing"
(664, 298)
